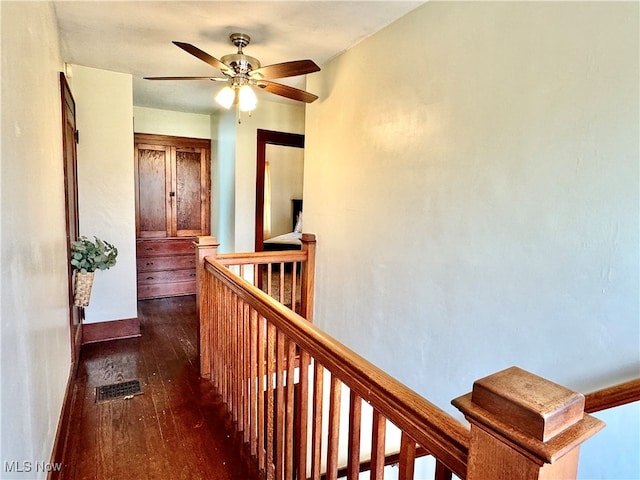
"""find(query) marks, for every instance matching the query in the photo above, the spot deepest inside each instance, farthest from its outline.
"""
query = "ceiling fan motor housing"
(239, 62)
(242, 70)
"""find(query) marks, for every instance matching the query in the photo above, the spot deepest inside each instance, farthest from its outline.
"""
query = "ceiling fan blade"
(287, 91)
(286, 69)
(204, 56)
(215, 79)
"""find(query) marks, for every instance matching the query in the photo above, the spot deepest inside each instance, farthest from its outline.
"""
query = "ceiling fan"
(242, 72)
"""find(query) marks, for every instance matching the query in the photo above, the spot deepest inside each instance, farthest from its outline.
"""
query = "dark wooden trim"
(114, 330)
(153, 139)
(264, 138)
(285, 139)
(59, 452)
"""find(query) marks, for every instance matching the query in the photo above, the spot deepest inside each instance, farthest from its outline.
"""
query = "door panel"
(154, 208)
(69, 157)
(188, 193)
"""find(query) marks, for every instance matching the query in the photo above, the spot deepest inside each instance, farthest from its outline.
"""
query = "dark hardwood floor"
(175, 429)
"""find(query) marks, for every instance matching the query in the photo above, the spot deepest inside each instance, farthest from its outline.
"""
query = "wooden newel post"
(308, 275)
(205, 247)
(524, 427)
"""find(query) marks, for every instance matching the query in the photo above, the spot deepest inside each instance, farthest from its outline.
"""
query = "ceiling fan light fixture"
(241, 72)
(225, 97)
(247, 98)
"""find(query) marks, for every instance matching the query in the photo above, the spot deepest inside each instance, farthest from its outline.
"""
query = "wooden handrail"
(614, 396)
(440, 433)
(282, 379)
(261, 258)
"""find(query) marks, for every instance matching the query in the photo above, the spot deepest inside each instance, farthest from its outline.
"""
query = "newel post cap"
(207, 241)
(538, 417)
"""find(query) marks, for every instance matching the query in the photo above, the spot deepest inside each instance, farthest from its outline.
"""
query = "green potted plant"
(87, 256)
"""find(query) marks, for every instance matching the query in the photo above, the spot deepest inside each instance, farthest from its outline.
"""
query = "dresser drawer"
(159, 290)
(152, 248)
(154, 264)
(166, 276)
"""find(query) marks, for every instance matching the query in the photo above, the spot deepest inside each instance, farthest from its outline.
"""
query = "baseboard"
(114, 330)
(64, 426)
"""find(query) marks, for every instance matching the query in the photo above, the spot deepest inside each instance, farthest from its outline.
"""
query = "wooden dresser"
(166, 267)
(172, 209)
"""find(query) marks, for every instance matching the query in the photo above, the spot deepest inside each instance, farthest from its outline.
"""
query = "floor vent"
(118, 390)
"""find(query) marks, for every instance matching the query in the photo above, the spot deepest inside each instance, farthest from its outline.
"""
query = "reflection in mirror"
(283, 177)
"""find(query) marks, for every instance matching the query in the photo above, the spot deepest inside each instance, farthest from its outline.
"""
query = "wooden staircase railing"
(307, 407)
(614, 396)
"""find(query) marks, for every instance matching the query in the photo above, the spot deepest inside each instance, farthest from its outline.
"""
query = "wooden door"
(69, 158)
(172, 186)
(190, 185)
(153, 187)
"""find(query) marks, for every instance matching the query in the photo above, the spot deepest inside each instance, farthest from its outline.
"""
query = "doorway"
(279, 160)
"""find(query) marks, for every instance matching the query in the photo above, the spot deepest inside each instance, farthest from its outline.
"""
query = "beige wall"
(475, 197)
(236, 171)
(35, 352)
(106, 200)
(223, 172)
(165, 122)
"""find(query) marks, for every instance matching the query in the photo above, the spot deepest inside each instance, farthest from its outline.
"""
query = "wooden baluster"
(280, 407)
(525, 427)
(289, 411)
(229, 321)
(294, 287)
(215, 340)
(244, 373)
(270, 412)
(205, 247)
(302, 417)
(334, 428)
(281, 298)
(234, 371)
(442, 471)
(224, 339)
(308, 276)
(255, 382)
(220, 341)
(256, 270)
(240, 365)
(378, 438)
(262, 389)
(355, 421)
(407, 457)
(316, 426)
(211, 290)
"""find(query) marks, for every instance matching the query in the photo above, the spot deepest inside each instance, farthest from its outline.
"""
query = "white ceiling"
(135, 38)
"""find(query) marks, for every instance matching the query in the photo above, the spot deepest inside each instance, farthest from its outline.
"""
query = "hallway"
(174, 429)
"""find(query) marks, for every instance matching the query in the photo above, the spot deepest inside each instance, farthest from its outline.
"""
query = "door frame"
(70, 163)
